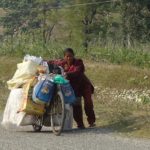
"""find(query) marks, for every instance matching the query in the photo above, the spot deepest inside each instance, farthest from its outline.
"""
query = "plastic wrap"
(37, 60)
(24, 72)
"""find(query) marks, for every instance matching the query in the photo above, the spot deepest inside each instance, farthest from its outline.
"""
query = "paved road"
(88, 139)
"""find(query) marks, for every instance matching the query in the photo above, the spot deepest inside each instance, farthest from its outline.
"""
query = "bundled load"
(20, 108)
(25, 71)
(32, 88)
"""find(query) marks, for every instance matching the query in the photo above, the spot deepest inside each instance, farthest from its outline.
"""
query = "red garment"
(75, 74)
(82, 87)
(88, 107)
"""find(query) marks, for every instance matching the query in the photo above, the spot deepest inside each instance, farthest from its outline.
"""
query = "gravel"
(24, 138)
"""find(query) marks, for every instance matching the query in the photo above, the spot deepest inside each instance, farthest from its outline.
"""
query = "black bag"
(53, 68)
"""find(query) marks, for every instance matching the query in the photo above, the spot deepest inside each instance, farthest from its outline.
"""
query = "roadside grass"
(118, 76)
(121, 96)
(126, 118)
(118, 98)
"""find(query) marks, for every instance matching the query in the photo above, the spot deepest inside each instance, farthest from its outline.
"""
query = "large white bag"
(69, 117)
(68, 124)
(10, 117)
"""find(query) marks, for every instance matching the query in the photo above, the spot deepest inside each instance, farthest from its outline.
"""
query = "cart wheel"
(57, 113)
(37, 126)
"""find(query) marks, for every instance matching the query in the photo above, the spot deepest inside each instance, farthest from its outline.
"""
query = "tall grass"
(23, 44)
(132, 56)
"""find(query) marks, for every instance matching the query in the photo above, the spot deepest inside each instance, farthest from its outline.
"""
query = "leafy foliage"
(82, 24)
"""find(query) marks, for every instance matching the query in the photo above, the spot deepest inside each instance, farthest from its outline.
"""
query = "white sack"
(10, 117)
(68, 120)
(69, 117)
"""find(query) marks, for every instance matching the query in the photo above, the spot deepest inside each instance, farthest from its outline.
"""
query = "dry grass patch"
(118, 76)
(122, 98)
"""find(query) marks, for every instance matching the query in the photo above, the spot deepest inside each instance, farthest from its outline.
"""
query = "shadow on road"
(96, 130)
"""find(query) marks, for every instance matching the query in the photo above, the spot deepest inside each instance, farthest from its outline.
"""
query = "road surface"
(89, 139)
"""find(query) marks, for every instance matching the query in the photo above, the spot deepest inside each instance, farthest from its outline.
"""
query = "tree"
(135, 24)
(88, 20)
(27, 16)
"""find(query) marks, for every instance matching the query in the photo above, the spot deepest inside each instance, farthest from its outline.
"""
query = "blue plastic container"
(43, 91)
(68, 93)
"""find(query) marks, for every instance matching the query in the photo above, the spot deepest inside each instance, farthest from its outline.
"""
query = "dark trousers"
(88, 107)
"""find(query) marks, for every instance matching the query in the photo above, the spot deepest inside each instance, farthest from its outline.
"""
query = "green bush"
(121, 56)
(19, 46)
